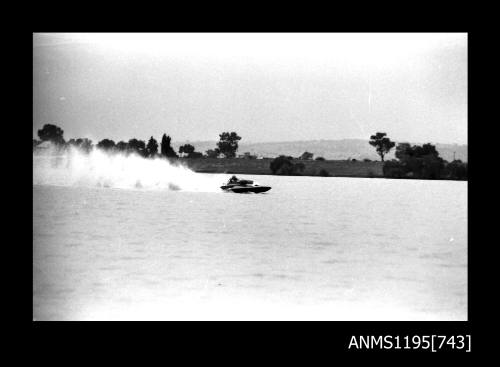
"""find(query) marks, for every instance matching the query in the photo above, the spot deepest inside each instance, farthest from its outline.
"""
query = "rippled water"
(311, 248)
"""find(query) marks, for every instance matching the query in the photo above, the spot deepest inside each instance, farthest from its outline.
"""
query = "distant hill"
(329, 149)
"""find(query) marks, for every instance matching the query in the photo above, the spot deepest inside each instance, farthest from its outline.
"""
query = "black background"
(233, 342)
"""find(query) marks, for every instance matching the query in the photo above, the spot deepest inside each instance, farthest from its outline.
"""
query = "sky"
(265, 86)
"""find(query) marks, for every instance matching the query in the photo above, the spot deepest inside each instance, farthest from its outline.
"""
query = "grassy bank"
(334, 168)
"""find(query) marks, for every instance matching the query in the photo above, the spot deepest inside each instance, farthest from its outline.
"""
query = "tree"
(415, 161)
(426, 150)
(138, 146)
(187, 149)
(152, 147)
(382, 144)
(432, 167)
(306, 156)
(403, 151)
(319, 159)
(212, 153)
(122, 146)
(106, 144)
(457, 170)
(165, 143)
(189, 152)
(83, 144)
(166, 148)
(228, 144)
(51, 133)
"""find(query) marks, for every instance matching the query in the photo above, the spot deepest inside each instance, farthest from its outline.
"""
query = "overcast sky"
(264, 86)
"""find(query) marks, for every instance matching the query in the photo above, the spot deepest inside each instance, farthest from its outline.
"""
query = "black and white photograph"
(250, 176)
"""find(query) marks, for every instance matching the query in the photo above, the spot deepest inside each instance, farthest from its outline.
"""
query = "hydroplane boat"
(243, 186)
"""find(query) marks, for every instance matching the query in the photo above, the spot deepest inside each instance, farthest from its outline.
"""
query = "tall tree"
(51, 133)
(165, 143)
(152, 147)
(382, 144)
(228, 144)
(187, 149)
(166, 148)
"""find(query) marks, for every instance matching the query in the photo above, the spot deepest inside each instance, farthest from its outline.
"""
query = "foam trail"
(73, 167)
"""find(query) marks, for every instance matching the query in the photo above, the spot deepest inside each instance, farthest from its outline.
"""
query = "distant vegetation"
(228, 144)
(284, 165)
(212, 153)
(84, 144)
(419, 162)
(55, 135)
(166, 149)
(248, 155)
(324, 173)
(188, 151)
(306, 156)
(382, 144)
(52, 133)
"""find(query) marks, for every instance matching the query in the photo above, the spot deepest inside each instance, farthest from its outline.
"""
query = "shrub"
(324, 173)
(195, 155)
(393, 169)
(284, 165)
(456, 170)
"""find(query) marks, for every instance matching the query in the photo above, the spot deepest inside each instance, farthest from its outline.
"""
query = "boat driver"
(233, 179)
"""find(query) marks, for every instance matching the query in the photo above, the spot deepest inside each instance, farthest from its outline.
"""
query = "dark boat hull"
(243, 189)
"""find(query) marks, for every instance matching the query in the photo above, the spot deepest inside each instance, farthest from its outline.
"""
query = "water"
(311, 248)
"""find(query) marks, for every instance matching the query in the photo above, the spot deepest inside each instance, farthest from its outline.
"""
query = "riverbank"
(333, 168)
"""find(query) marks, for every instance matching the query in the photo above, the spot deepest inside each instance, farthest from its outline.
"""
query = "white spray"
(73, 167)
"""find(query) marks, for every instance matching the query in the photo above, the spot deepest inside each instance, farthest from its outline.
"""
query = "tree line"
(226, 147)
(422, 162)
(417, 161)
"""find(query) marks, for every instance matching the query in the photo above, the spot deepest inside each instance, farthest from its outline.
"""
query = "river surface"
(312, 248)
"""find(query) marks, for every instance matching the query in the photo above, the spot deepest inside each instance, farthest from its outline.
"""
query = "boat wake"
(98, 168)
